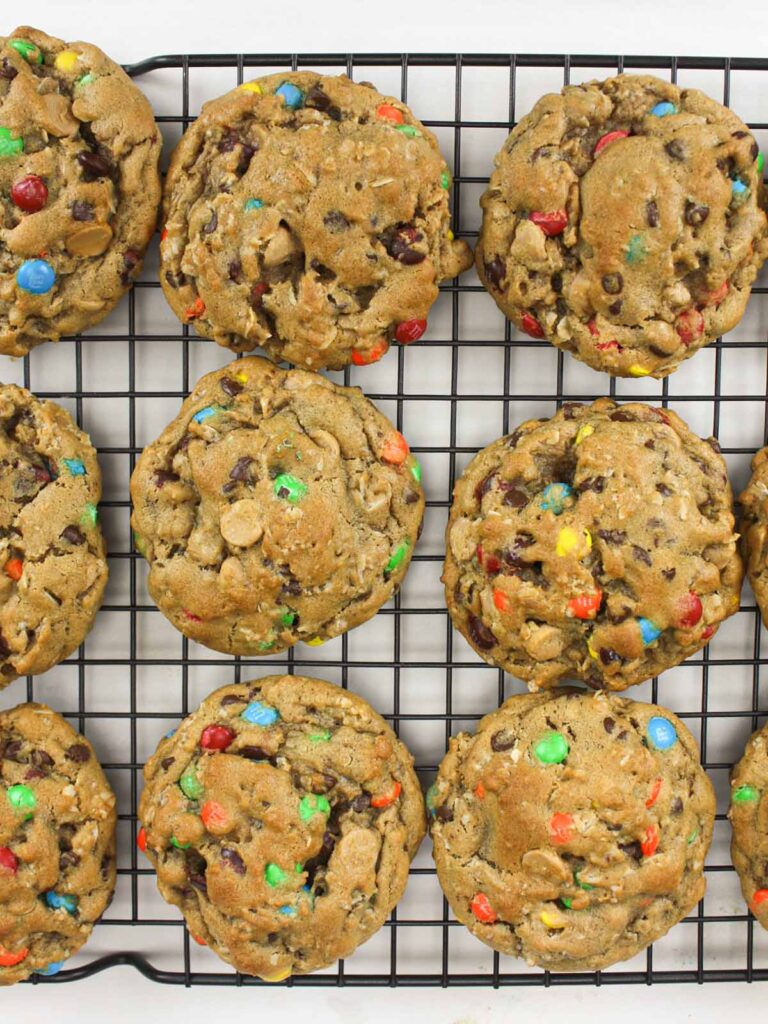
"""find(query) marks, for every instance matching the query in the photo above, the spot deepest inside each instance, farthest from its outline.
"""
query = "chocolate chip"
(622, 417)
(94, 165)
(607, 655)
(484, 486)
(495, 271)
(131, 260)
(317, 99)
(410, 497)
(166, 763)
(231, 387)
(514, 438)
(675, 150)
(609, 724)
(676, 806)
(73, 534)
(81, 210)
(335, 221)
(714, 444)
(361, 803)
(41, 759)
(241, 469)
(233, 858)
(79, 753)
(7, 70)
(669, 574)
(569, 409)
(323, 273)
(291, 587)
(652, 213)
(11, 752)
(613, 283)
(228, 142)
(212, 224)
(231, 698)
(254, 754)
(68, 859)
(163, 477)
(502, 740)
(235, 271)
(480, 634)
(640, 554)
(198, 881)
(615, 308)
(612, 536)
(556, 281)
(695, 214)
(632, 849)
(514, 497)
(594, 483)
(246, 155)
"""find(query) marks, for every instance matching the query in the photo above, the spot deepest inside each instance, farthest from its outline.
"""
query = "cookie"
(748, 815)
(282, 817)
(276, 507)
(598, 545)
(79, 153)
(624, 223)
(754, 529)
(571, 829)
(308, 215)
(57, 842)
(54, 563)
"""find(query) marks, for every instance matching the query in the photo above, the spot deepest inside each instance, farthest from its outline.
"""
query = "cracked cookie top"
(282, 817)
(623, 222)
(754, 529)
(54, 566)
(571, 829)
(276, 507)
(598, 545)
(79, 177)
(57, 842)
(308, 215)
(748, 815)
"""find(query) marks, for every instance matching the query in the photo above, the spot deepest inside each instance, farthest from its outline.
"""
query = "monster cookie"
(282, 817)
(749, 819)
(276, 507)
(754, 529)
(623, 223)
(52, 554)
(571, 830)
(79, 178)
(598, 545)
(308, 215)
(57, 842)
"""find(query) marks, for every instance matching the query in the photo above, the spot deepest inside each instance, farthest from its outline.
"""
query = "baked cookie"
(754, 529)
(624, 223)
(748, 815)
(79, 153)
(597, 545)
(57, 842)
(276, 507)
(571, 829)
(54, 563)
(281, 818)
(309, 215)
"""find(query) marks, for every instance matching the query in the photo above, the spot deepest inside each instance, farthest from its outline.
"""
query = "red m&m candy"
(141, 839)
(9, 959)
(690, 326)
(389, 113)
(586, 606)
(482, 909)
(531, 325)
(216, 737)
(501, 600)
(30, 193)
(410, 330)
(214, 817)
(560, 826)
(654, 794)
(607, 139)
(8, 861)
(385, 799)
(552, 223)
(689, 610)
(716, 297)
(395, 449)
(650, 844)
(760, 898)
(373, 355)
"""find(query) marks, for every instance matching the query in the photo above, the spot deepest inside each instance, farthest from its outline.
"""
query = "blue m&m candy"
(260, 714)
(204, 414)
(75, 466)
(61, 901)
(663, 109)
(739, 190)
(649, 631)
(287, 910)
(253, 204)
(554, 496)
(661, 733)
(51, 969)
(35, 276)
(291, 95)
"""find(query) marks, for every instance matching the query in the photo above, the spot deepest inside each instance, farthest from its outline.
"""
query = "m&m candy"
(746, 795)
(552, 748)
(570, 541)
(290, 488)
(312, 804)
(531, 326)
(649, 631)
(291, 95)
(253, 87)
(75, 467)
(635, 251)
(8, 861)
(395, 449)
(389, 113)
(14, 569)
(560, 826)
(654, 794)
(216, 737)
(410, 330)
(689, 610)
(21, 798)
(739, 190)
(190, 784)
(274, 875)
(385, 799)
(760, 897)
(27, 50)
(551, 223)
(397, 557)
(585, 606)
(260, 714)
(689, 326)
(585, 430)
(372, 355)
(53, 968)
(179, 846)
(29, 193)
(66, 61)
(141, 839)
(36, 277)
(408, 130)
(61, 901)
(663, 109)
(253, 204)
(554, 497)
(482, 909)
(607, 139)
(214, 817)
(10, 959)
(661, 733)
(10, 145)
(195, 310)
(204, 414)
(650, 843)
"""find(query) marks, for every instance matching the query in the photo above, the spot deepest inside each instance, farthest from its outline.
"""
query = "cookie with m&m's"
(571, 829)
(597, 545)
(80, 184)
(748, 814)
(57, 842)
(53, 563)
(308, 215)
(276, 507)
(281, 817)
(754, 529)
(624, 222)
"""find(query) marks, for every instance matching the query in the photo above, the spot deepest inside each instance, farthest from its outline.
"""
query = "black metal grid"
(132, 869)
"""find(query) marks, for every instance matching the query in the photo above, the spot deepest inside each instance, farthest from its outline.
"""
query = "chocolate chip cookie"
(79, 153)
(54, 566)
(571, 829)
(624, 223)
(748, 815)
(754, 529)
(57, 842)
(598, 545)
(309, 215)
(281, 818)
(276, 507)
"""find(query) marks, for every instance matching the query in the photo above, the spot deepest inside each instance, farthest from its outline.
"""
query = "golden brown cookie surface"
(276, 507)
(748, 815)
(571, 829)
(598, 545)
(623, 223)
(308, 215)
(79, 153)
(281, 818)
(754, 529)
(57, 841)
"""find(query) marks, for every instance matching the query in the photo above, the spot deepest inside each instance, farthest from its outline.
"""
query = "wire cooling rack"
(470, 380)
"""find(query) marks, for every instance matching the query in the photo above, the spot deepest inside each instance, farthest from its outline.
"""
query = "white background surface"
(131, 30)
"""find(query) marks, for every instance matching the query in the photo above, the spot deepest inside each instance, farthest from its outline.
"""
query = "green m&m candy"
(552, 748)
(274, 875)
(21, 798)
(290, 488)
(745, 795)
(397, 557)
(90, 514)
(27, 50)
(409, 130)
(10, 145)
(311, 804)
(177, 845)
(190, 784)
(287, 616)
(415, 468)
